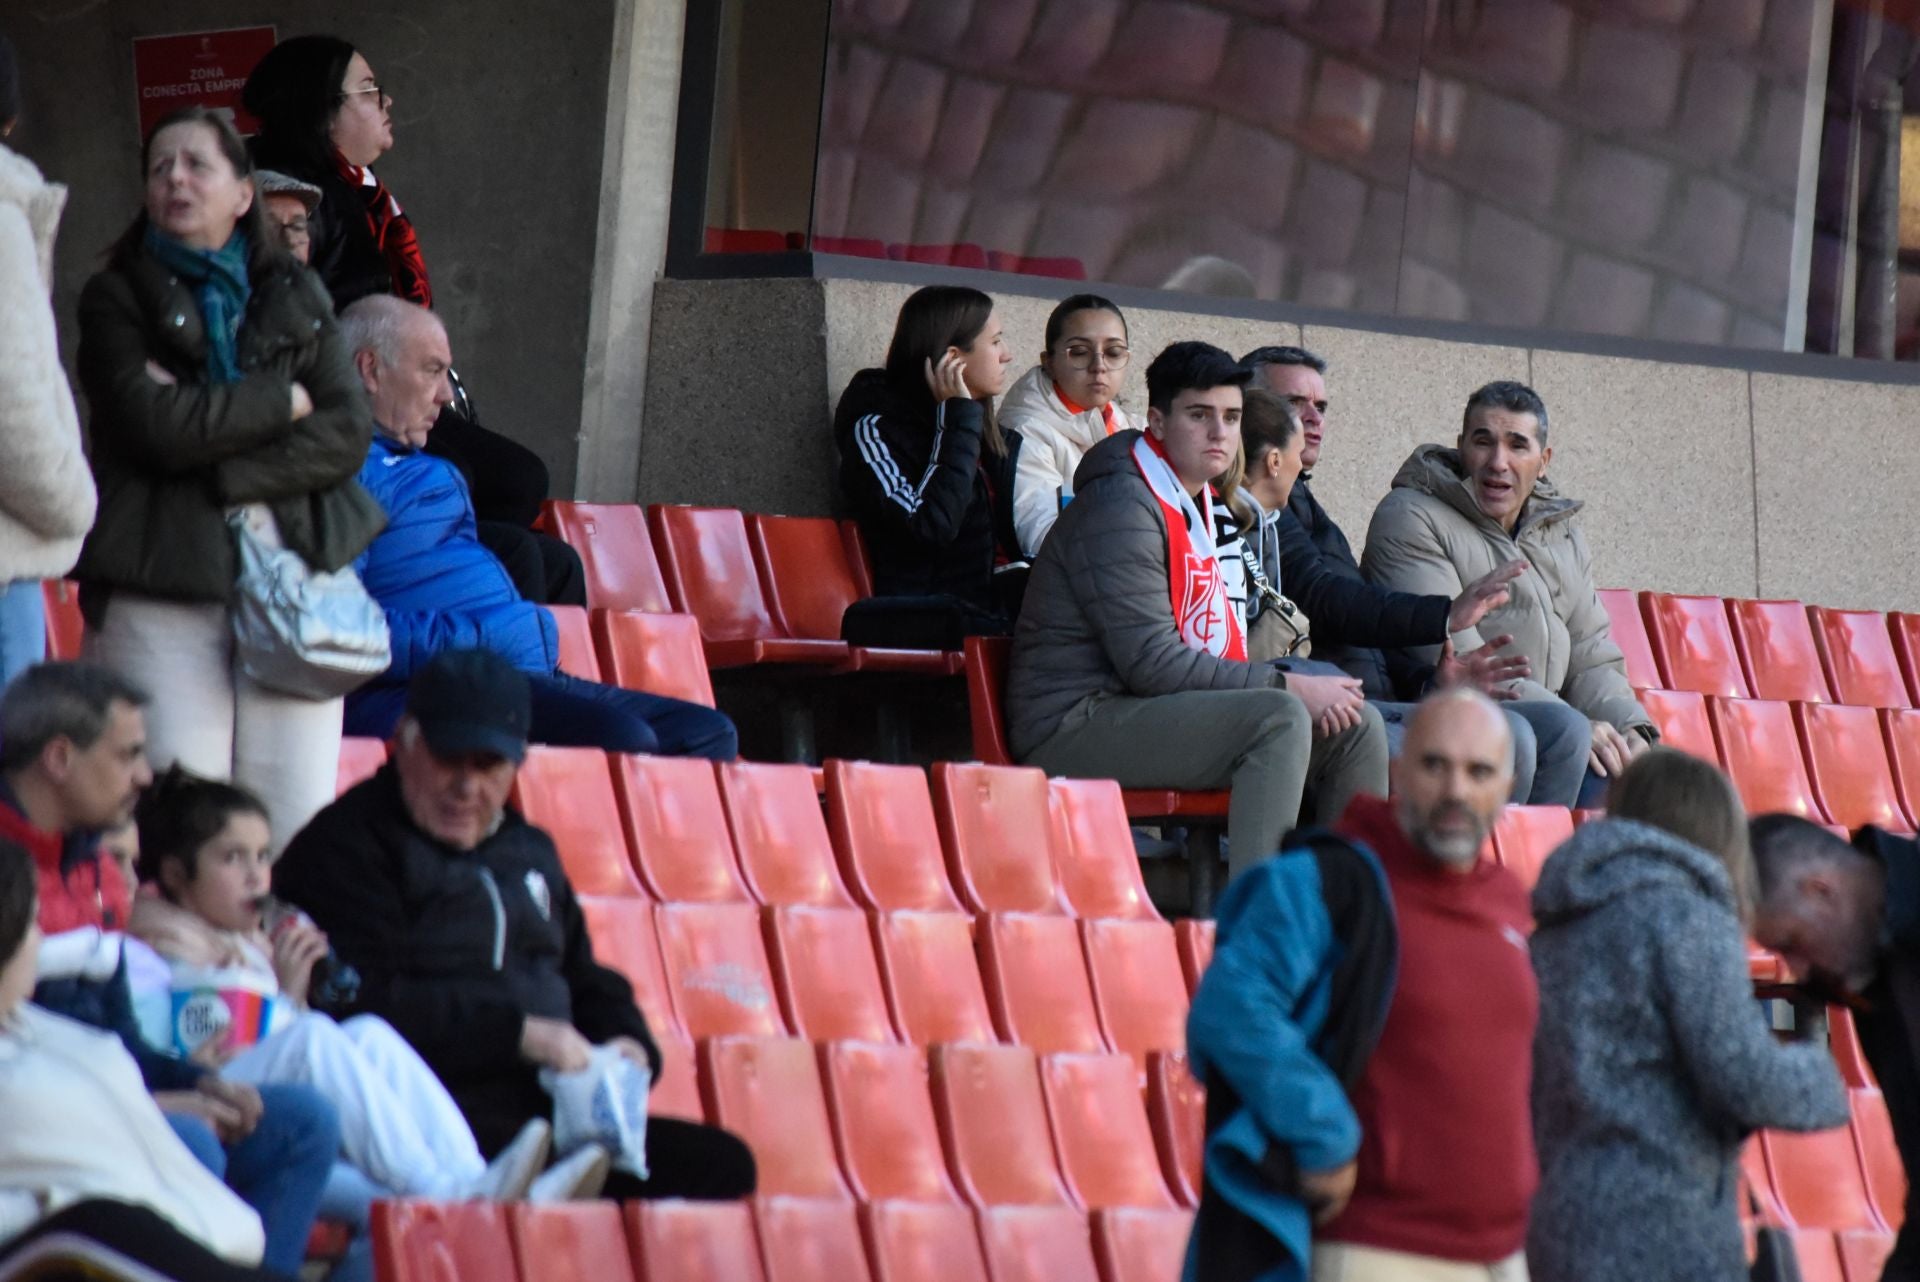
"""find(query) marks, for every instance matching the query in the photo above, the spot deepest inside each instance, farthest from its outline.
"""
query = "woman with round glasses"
(1062, 407)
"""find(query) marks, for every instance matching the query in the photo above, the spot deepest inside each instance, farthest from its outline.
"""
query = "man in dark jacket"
(1363, 628)
(1846, 920)
(466, 934)
(442, 589)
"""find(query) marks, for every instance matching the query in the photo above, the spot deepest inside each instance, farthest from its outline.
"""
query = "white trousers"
(398, 1125)
(1340, 1262)
(213, 720)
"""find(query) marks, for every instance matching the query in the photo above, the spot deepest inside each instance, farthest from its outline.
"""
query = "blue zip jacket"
(439, 585)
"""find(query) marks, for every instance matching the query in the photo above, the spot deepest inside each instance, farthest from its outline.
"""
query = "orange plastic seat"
(1847, 765)
(1133, 1244)
(1761, 751)
(570, 1240)
(717, 970)
(829, 981)
(1879, 1157)
(653, 653)
(997, 827)
(677, 829)
(1139, 991)
(1681, 716)
(625, 939)
(615, 551)
(1864, 1254)
(882, 1107)
(578, 658)
(569, 792)
(416, 1241)
(884, 832)
(780, 834)
(1758, 1181)
(1777, 651)
(809, 583)
(1905, 628)
(932, 979)
(922, 1242)
(805, 1240)
(1100, 1131)
(1694, 643)
(1093, 854)
(1037, 986)
(993, 1122)
(1901, 729)
(1037, 1244)
(1818, 1255)
(1628, 627)
(1526, 835)
(673, 1240)
(1818, 1178)
(1857, 649)
(1177, 1112)
(66, 628)
(708, 563)
(767, 1091)
(677, 1093)
(360, 758)
(1843, 1039)
(1194, 938)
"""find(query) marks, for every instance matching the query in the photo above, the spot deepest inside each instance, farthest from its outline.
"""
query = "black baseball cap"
(472, 701)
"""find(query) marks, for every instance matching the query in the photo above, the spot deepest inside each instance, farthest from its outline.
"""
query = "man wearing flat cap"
(290, 204)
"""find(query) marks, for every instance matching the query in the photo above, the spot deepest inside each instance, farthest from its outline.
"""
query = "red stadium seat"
(852, 246)
(1037, 1244)
(1847, 765)
(1681, 716)
(767, 1091)
(1761, 751)
(1037, 982)
(442, 1242)
(1100, 1131)
(578, 658)
(1133, 1244)
(1093, 854)
(360, 758)
(857, 559)
(883, 1122)
(1694, 643)
(829, 982)
(673, 1240)
(615, 551)
(997, 828)
(1058, 268)
(570, 1240)
(1526, 835)
(717, 970)
(674, 822)
(1818, 1178)
(653, 653)
(1864, 1254)
(1879, 1157)
(994, 1124)
(809, 583)
(1194, 938)
(66, 629)
(1629, 631)
(1843, 1039)
(1858, 652)
(780, 834)
(1777, 651)
(750, 240)
(1758, 1182)
(1818, 1255)
(624, 939)
(1139, 991)
(881, 818)
(805, 1240)
(932, 980)
(962, 255)
(569, 792)
(1905, 628)
(922, 1242)
(677, 1093)
(1177, 1109)
(1901, 729)
(710, 571)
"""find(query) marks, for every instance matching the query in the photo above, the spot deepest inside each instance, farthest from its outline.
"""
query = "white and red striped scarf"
(1201, 611)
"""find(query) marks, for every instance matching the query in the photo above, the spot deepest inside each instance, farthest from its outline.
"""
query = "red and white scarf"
(1204, 616)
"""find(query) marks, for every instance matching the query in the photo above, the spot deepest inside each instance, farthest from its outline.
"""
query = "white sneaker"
(509, 1176)
(578, 1177)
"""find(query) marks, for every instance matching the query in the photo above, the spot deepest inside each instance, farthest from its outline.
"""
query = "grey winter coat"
(1098, 616)
(1651, 1063)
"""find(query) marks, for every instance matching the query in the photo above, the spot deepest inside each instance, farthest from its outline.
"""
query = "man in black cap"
(466, 934)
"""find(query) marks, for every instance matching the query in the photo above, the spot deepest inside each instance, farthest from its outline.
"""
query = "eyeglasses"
(295, 229)
(379, 95)
(1301, 402)
(1080, 356)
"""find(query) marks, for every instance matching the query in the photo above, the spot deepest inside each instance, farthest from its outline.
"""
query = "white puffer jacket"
(46, 488)
(1053, 441)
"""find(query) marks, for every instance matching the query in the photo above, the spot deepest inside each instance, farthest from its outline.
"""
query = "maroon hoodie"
(1446, 1152)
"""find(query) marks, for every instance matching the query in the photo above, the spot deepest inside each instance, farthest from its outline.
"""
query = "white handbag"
(312, 634)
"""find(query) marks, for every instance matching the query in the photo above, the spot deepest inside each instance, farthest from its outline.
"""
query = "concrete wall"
(1697, 478)
(499, 114)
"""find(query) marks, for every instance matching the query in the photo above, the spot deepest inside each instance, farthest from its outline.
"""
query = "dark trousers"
(692, 1160)
(544, 569)
(134, 1232)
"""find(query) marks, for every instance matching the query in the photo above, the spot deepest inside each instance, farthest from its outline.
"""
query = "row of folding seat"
(1847, 1178)
(774, 1239)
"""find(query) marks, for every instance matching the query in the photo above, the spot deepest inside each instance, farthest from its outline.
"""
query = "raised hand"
(1485, 594)
(948, 379)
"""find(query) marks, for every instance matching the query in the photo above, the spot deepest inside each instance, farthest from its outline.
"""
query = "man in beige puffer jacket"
(1456, 513)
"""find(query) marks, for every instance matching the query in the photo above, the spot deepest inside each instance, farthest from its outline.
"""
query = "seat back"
(677, 1091)
(1777, 651)
(569, 793)
(997, 828)
(1858, 653)
(1681, 716)
(767, 1091)
(1037, 986)
(829, 981)
(1133, 1244)
(415, 1241)
(1843, 1039)
(653, 653)
(626, 940)
(360, 758)
(1194, 938)
(1879, 1156)
(1848, 767)
(709, 568)
(922, 1242)
(932, 980)
(1037, 1244)
(578, 658)
(1177, 1112)
(1761, 751)
(677, 828)
(1526, 835)
(1694, 643)
(570, 1240)
(884, 832)
(1818, 1256)
(1864, 1255)
(986, 666)
(717, 970)
(803, 572)
(994, 1124)
(1905, 628)
(1100, 1131)
(1818, 1178)
(1901, 729)
(615, 551)
(806, 1240)
(882, 1106)
(780, 834)
(673, 1240)
(1093, 854)
(1628, 627)
(1138, 989)
(66, 629)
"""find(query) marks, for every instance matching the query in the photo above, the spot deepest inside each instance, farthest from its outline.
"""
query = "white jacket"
(46, 489)
(79, 1124)
(1052, 442)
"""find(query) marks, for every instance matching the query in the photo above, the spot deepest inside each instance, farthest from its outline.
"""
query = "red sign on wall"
(203, 68)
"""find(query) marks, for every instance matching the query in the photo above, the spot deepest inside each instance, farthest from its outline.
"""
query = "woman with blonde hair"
(1652, 1063)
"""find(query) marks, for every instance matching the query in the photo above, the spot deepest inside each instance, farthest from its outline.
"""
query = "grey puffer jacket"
(1098, 617)
(1651, 1063)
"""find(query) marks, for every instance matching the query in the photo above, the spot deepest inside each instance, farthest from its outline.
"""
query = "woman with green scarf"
(217, 382)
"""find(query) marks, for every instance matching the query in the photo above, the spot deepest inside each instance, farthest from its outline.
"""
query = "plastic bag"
(604, 1103)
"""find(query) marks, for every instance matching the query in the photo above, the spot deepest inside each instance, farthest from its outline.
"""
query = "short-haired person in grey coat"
(1652, 1063)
